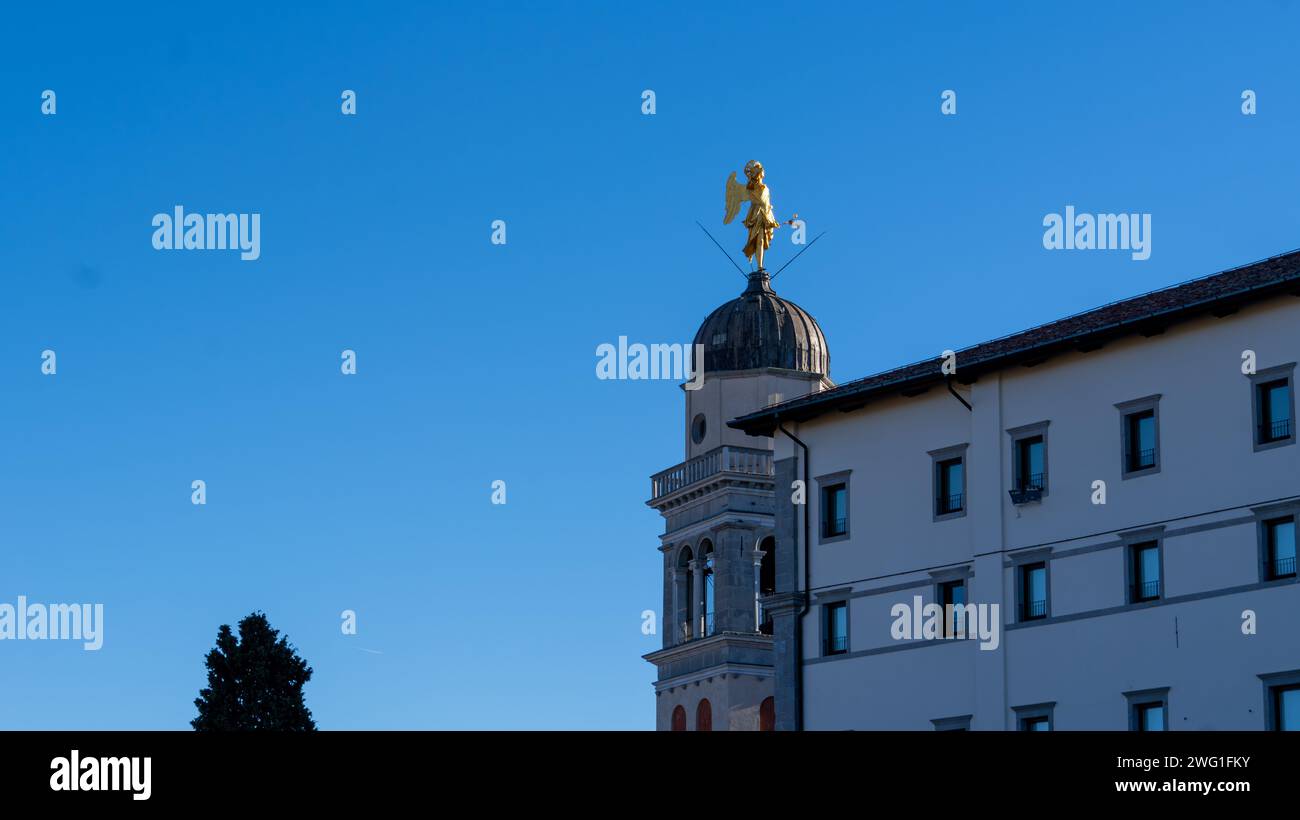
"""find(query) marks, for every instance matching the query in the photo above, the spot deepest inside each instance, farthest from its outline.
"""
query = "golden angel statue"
(760, 221)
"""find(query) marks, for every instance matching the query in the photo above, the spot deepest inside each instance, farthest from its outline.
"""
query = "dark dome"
(760, 329)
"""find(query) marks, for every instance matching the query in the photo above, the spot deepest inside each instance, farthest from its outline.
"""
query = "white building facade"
(1115, 495)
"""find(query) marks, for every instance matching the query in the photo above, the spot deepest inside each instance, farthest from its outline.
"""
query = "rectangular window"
(1272, 395)
(1145, 572)
(952, 487)
(1149, 717)
(953, 594)
(1274, 411)
(1282, 701)
(952, 724)
(1279, 548)
(1286, 708)
(835, 510)
(1030, 463)
(1033, 591)
(835, 628)
(948, 486)
(1141, 441)
(1139, 434)
(1035, 718)
(1148, 710)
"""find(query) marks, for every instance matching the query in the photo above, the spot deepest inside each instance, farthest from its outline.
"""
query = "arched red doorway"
(767, 715)
(704, 717)
(679, 719)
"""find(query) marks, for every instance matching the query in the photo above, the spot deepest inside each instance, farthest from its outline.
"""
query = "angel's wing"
(736, 194)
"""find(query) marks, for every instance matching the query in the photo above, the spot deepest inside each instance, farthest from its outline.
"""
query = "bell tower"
(716, 666)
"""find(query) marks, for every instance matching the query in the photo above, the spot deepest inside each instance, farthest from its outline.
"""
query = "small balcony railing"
(1029, 489)
(951, 503)
(1035, 609)
(1142, 459)
(1282, 567)
(1146, 590)
(832, 527)
(958, 625)
(690, 630)
(835, 645)
(725, 459)
(1275, 431)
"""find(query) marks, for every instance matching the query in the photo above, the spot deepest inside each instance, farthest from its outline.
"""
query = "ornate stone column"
(678, 622)
(757, 556)
(697, 605)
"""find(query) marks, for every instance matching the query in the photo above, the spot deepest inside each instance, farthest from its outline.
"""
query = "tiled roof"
(1148, 314)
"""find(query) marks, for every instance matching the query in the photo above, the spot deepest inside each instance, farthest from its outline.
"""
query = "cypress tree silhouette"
(254, 682)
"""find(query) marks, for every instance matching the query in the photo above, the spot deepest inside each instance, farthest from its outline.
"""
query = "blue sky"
(476, 362)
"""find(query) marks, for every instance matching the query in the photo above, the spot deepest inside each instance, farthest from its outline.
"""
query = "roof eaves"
(926, 372)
